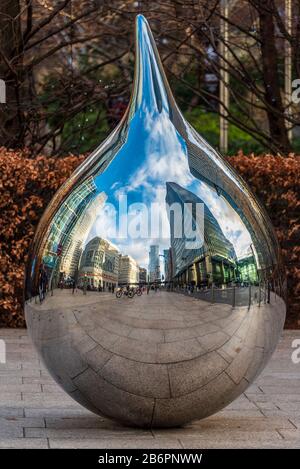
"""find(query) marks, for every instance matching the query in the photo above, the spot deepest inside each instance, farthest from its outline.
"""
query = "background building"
(168, 264)
(154, 266)
(99, 264)
(128, 270)
(142, 275)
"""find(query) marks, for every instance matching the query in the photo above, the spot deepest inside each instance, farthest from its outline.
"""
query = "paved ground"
(35, 413)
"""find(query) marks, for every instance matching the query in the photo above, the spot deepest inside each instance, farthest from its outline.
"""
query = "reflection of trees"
(61, 50)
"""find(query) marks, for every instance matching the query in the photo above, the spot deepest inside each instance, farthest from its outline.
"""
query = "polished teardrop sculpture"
(154, 288)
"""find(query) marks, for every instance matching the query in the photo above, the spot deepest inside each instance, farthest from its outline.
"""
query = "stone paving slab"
(123, 443)
(35, 413)
(23, 443)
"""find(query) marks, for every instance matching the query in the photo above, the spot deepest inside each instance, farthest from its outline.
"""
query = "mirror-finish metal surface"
(154, 288)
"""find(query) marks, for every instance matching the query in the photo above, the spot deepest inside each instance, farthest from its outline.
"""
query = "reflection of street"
(234, 297)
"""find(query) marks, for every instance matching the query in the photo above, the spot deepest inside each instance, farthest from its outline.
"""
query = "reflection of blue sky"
(153, 154)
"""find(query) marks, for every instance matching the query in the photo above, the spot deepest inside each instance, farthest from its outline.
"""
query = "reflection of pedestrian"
(84, 284)
(113, 289)
(43, 282)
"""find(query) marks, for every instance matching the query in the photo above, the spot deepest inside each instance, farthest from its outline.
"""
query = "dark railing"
(232, 295)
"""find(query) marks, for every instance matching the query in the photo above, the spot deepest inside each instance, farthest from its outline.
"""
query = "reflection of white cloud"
(166, 158)
(139, 250)
(106, 227)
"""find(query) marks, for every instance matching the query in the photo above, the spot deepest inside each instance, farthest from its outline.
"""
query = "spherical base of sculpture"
(159, 360)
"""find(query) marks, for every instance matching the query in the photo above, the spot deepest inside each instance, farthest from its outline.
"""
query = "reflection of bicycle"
(129, 292)
(119, 293)
(123, 291)
(135, 291)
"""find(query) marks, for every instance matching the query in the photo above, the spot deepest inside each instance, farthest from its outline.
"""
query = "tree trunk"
(273, 98)
(11, 71)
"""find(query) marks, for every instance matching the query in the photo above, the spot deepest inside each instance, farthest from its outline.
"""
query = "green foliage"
(85, 131)
(80, 132)
(207, 124)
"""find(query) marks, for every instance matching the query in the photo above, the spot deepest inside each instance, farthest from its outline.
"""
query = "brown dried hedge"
(27, 185)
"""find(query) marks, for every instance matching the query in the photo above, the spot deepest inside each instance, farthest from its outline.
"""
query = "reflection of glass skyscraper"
(247, 267)
(167, 254)
(252, 217)
(73, 247)
(215, 258)
(65, 220)
(154, 267)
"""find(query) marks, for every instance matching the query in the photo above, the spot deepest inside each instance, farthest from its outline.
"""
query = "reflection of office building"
(154, 267)
(168, 264)
(247, 269)
(65, 220)
(214, 260)
(142, 275)
(70, 261)
(205, 169)
(73, 247)
(128, 270)
(99, 264)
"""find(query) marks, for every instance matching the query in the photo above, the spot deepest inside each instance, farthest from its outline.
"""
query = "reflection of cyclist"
(43, 282)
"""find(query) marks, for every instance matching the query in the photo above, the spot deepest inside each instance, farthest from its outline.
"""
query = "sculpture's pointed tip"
(140, 19)
(142, 29)
(151, 85)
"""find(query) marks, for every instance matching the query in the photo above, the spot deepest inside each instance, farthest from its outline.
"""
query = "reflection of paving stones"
(36, 413)
(171, 354)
